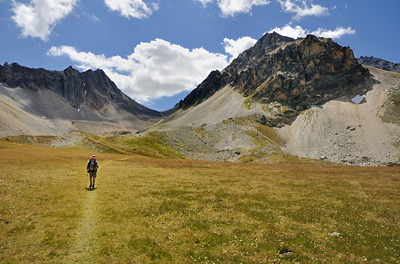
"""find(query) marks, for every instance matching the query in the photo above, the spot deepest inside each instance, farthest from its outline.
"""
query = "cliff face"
(42, 102)
(296, 73)
(214, 82)
(93, 89)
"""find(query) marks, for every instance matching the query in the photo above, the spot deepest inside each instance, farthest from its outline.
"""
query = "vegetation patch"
(34, 140)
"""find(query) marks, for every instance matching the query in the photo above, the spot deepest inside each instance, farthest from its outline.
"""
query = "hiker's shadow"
(90, 189)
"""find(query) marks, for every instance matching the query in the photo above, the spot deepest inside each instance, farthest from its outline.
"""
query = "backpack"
(92, 165)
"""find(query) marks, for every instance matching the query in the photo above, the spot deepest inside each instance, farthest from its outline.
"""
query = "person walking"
(92, 167)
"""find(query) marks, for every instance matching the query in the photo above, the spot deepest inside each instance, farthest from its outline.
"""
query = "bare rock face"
(301, 73)
(296, 73)
(214, 82)
(93, 89)
(379, 64)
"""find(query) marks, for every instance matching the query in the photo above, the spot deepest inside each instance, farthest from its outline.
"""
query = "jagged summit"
(93, 89)
(296, 73)
(73, 97)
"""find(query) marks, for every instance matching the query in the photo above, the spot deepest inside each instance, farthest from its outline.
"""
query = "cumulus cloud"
(235, 47)
(132, 8)
(289, 31)
(301, 9)
(155, 69)
(335, 34)
(298, 31)
(234, 7)
(38, 18)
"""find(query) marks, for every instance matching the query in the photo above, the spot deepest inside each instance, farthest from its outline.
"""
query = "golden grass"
(148, 210)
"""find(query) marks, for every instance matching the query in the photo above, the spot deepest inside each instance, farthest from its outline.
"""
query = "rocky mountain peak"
(270, 41)
(296, 73)
(92, 89)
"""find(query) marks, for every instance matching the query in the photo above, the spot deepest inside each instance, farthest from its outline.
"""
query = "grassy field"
(148, 210)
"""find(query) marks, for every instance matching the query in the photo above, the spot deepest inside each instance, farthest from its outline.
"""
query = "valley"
(225, 131)
(248, 168)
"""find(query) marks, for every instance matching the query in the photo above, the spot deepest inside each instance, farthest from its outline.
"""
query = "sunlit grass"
(148, 210)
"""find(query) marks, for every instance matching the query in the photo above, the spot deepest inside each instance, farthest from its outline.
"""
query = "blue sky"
(157, 51)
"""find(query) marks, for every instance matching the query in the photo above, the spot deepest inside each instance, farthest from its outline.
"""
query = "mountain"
(282, 100)
(38, 101)
(379, 64)
(296, 73)
(287, 99)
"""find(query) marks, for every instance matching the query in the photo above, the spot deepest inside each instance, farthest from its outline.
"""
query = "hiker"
(92, 167)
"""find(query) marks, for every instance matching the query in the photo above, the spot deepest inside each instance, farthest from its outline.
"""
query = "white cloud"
(235, 47)
(132, 8)
(302, 9)
(38, 18)
(234, 7)
(298, 31)
(205, 2)
(154, 70)
(289, 31)
(94, 18)
(335, 34)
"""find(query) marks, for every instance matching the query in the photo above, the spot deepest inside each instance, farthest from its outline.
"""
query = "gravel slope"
(27, 112)
(342, 131)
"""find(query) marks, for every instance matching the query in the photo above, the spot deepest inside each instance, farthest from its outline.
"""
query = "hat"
(93, 157)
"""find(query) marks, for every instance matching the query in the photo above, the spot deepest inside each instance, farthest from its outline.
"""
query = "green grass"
(149, 145)
(149, 210)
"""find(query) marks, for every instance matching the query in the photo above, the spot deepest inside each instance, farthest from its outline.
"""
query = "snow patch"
(358, 99)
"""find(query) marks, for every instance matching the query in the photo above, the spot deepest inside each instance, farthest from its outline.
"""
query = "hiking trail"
(85, 247)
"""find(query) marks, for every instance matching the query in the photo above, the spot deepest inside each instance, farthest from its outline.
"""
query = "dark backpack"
(92, 165)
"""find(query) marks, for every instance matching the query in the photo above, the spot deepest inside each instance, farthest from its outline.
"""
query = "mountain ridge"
(296, 73)
(379, 63)
(88, 87)
(70, 99)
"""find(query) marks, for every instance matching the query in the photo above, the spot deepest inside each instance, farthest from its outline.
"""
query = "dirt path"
(85, 245)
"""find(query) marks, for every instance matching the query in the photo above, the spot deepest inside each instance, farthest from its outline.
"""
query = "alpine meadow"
(152, 210)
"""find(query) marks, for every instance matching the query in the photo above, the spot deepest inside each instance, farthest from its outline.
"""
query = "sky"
(157, 51)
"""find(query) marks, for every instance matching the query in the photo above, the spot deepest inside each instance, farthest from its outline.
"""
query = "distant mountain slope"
(87, 101)
(380, 64)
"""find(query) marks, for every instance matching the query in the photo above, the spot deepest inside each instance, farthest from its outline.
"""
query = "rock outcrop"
(214, 82)
(295, 73)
